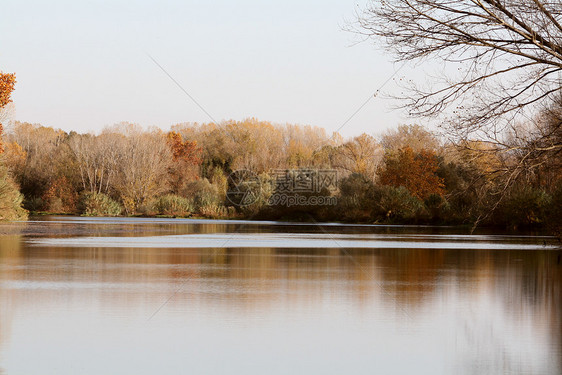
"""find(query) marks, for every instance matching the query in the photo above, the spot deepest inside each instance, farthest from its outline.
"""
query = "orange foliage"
(417, 172)
(187, 151)
(61, 197)
(186, 156)
(7, 82)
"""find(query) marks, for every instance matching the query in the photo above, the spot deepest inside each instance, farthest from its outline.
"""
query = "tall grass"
(97, 204)
(169, 205)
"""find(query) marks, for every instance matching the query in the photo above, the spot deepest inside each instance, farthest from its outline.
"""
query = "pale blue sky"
(82, 65)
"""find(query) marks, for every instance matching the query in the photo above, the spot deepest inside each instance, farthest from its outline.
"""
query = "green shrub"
(170, 205)
(10, 198)
(34, 204)
(554, 213)
(524, 206)
(355, 200)
(438, 208)
(55, 205)
(203, 194)
(260, 193)
(216, 211)
(220, 180)
(97, 204)
(396, 203)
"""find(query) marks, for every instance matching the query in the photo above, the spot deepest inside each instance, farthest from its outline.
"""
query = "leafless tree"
(98, 159)
(362, 154)
(508, 54)
(40, 147)
(143, 160)
(7, 115)
(534, 147)
(414, 136)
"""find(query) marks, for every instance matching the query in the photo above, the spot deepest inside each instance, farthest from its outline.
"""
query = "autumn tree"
(187, 151)
(61, 196)
(98, 158)
(186, 157)
(217, 148)
(10, 197)
(46, 157)
(143, 169)
(361, 155)
(255, 145)
(300, 144)
(414, 136)
(7, 83)
(417, 172)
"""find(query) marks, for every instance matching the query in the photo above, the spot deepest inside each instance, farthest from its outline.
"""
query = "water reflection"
(274, 309)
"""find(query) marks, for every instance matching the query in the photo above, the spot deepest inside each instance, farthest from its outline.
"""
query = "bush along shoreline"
(356, 201)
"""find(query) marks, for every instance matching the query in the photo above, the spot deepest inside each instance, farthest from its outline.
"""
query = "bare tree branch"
(513, 50)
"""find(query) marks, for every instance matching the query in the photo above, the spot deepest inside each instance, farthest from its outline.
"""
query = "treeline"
(407, 175)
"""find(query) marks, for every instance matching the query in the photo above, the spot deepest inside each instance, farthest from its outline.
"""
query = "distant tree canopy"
(414, 136)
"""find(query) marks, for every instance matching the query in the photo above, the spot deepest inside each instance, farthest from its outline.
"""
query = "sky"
(83, 65)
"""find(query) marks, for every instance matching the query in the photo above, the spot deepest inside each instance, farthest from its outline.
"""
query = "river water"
(178, 296)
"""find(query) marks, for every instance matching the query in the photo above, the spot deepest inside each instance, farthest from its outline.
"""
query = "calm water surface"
(166, 296)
